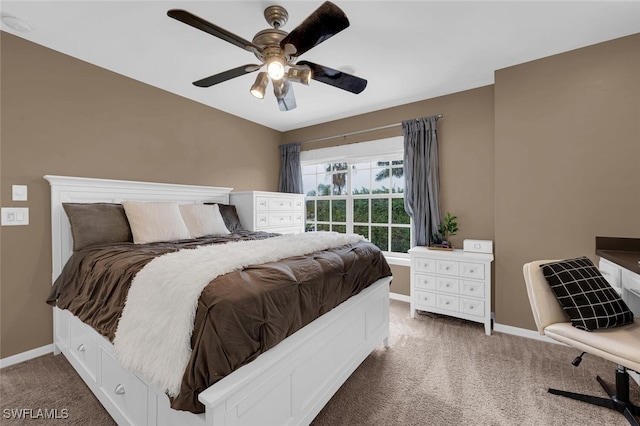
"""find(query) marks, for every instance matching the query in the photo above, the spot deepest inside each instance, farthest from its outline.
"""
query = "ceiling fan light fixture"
(280, 89)
(260, 85)
(275, 67)
(301, 75)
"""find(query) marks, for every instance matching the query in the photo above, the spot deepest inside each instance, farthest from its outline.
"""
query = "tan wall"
(567, 157)
(466, 140)
(67, 117)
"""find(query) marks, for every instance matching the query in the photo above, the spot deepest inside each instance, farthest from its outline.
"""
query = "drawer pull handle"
(604, 272)
(119, 390)
(81, 347)
(447, 302)
(471, 271)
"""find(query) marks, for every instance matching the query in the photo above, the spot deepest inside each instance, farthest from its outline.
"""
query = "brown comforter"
(239, 316)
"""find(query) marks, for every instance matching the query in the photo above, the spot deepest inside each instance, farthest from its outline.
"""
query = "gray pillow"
(230, 216)
(97, 223)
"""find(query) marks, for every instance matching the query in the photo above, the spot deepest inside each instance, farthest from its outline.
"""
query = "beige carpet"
(438, 371)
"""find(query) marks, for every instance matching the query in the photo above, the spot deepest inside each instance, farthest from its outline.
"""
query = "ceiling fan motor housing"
(269, 41)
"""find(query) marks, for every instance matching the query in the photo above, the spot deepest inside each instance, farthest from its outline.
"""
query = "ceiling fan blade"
(285, 96)
(227, 75)
(206, 26)
(328, 20)
(336, 78)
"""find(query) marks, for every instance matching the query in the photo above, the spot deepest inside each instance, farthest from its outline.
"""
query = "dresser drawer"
(262, 204)
(450, 303)
(284, 204)
(281, 219)
(83, 348)
(472, 288)
(425, 265)
(126, 391)
(298, 218)
(631, 281)
(424, 299)
(448, 285)
(426, 282)
(472, 307)
(472, 270)
(446, 267)
(610, 272)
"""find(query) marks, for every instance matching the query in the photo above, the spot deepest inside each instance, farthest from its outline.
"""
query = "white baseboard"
(523, 332)
(25, 356)
(400, 297)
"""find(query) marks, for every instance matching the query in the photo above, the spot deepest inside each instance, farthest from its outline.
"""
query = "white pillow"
(203, 219)
(155, 221)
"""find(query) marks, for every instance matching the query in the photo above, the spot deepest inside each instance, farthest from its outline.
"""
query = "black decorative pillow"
(97, 223)
(585, 295)
(230, 217)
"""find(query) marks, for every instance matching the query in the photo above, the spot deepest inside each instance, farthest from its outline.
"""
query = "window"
(360, 195)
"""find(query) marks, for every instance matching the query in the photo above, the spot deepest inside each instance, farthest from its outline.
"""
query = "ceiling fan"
(278, 52)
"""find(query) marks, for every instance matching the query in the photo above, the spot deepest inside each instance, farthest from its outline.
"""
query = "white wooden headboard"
(66, 189)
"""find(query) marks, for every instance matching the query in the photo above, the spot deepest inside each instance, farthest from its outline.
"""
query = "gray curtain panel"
(421, 175)
(290, 169)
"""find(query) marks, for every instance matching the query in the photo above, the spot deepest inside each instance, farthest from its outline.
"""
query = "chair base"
(619, 402)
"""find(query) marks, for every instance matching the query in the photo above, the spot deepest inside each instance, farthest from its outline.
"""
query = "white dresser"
(270, 211)
(454, 283)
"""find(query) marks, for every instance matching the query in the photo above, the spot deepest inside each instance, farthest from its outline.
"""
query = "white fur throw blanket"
(154, 332)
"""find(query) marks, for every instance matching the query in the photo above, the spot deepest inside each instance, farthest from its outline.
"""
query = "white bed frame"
(287, 385)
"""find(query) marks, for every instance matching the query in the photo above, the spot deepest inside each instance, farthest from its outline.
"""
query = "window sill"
(397, 259)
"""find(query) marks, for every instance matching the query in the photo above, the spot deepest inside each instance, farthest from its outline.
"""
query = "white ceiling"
(407, 50)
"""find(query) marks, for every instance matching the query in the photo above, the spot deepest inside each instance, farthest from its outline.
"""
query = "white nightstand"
(270, 211)
(454, 283)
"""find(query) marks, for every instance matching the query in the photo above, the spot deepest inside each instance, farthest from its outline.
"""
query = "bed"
(287, 384)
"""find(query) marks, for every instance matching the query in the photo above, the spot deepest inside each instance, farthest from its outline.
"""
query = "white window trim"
(355, 152)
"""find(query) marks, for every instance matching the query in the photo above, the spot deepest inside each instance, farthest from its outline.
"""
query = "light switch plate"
(19, 192)
(13, 216)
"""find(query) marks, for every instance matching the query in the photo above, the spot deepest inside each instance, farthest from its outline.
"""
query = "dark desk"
(624, 252)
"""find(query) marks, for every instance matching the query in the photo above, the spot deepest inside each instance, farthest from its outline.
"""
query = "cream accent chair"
(620, 345)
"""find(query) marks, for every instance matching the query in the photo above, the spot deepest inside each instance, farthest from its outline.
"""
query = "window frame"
(382, 150)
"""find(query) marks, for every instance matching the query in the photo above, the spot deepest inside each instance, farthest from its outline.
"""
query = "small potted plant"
(446, 229)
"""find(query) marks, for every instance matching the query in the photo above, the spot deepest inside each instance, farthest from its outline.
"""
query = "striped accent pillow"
(585, 295)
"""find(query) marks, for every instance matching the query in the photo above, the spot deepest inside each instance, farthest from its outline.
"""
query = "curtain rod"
(357, 132)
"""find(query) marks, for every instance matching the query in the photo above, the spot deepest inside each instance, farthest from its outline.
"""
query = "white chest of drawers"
(454, 283)
(270, 211)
